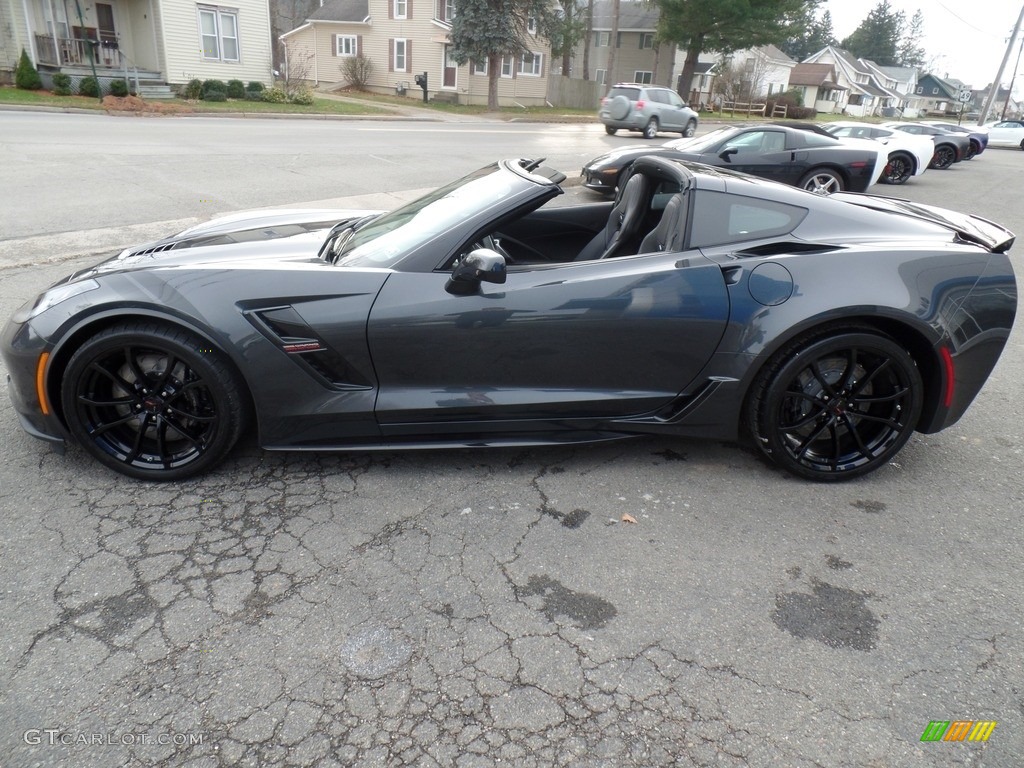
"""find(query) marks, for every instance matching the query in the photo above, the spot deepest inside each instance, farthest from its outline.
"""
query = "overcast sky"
(964, 40)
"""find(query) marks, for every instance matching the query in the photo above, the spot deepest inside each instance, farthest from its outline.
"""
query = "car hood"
(250, 238)
(973, 229)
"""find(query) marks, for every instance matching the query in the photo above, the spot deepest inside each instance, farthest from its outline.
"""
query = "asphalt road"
(480, 608)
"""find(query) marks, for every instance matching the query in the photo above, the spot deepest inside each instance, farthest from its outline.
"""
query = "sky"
(961, 40)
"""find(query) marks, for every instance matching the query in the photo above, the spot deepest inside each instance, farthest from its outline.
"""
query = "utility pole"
(994, 89)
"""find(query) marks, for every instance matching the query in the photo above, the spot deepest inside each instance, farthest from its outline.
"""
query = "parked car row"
(834, 157)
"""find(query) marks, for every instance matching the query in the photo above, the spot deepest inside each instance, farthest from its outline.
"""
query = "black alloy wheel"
(972, 149)
(944, 157)
(836, 406)
(897, 170)
(152, 402)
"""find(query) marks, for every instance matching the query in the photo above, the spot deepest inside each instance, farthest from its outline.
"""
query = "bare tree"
(610, 81)
(741, 80)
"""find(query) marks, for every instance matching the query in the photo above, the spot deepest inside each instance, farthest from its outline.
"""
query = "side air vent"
(153, 249)
(286, 328)
(782, 248)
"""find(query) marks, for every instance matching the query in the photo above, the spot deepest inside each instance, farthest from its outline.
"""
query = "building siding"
(13, 37)
(183, 50)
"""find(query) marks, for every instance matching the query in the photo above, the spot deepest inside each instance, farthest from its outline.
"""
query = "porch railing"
(68, 51)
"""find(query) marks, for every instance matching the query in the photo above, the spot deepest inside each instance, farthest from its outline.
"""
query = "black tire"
(153, 402)
(610, 131)
(899, 168)
(651, 129)
(944, 157)
(836, 404)
(822, 181)
(1022, 145)
(972, 150)
(690, 129)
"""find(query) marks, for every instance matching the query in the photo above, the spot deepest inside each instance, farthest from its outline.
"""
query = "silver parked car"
(646, 108)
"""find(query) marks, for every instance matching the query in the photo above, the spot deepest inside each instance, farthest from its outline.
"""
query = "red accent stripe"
(947, 364)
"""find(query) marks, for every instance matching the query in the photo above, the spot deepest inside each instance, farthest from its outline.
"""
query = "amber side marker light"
(44, 406)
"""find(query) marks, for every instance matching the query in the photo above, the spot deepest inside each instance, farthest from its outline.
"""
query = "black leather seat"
(668, 235)
(623, 222)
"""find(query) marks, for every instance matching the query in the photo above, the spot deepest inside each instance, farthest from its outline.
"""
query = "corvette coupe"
(699, 303)
(814, 161)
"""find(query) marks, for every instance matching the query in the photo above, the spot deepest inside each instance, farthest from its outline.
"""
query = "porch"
(70, 52)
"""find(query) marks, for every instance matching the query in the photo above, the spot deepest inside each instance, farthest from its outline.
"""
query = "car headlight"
(52, 298)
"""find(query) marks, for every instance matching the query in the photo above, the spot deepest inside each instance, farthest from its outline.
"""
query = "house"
(402, 39)
(701, 90)
(1004, 105)
(816, 83)
(639, 57)
(865, 94)
(938, 96)
(158, 41)
(762, 71)
(903, 80)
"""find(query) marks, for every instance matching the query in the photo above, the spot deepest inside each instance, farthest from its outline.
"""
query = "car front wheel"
(944, 157)
(651, 129)
(822, 181)
(836, 405)
(690, 129)
(152, 402)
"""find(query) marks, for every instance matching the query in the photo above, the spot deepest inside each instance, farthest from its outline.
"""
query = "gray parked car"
(646, 108)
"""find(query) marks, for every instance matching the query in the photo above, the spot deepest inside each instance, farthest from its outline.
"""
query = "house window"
(346, 45)
(935, 91)
(602, 39)
(531, 64)
(531, 25)
(400, 55)
(643, 77)
(449, 10)
(601, 75)
(646, 39)
(399, 10)
(478, 68)
(218, 33)
(506, 66)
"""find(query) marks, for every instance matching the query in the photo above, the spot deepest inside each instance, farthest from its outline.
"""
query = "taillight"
(640, 104)
(604, 101)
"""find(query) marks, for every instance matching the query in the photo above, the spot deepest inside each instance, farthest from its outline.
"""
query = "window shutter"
(408, 51)
(359, 45)
(391, 9)
(540, 60)
(337, 45)
(408, 9)
(391, 54)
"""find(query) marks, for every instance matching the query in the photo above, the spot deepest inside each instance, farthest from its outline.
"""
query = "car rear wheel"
(944, 157)
(836, 405)
(822, 181)
(972, 150)
(610, 131)
(898, 169)
(152, 402)
(651, 129)
(690, 129)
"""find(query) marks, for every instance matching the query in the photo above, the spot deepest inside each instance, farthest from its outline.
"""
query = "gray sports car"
(700, 302)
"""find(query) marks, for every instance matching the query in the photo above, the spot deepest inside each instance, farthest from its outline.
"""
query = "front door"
(572, 343)
(451, 69)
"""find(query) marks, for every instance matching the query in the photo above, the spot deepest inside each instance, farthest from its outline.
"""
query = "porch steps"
(154, 91)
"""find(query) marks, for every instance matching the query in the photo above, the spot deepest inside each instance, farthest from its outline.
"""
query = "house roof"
(341, 10)
(774, 53)
(633, 16)
(812, 74)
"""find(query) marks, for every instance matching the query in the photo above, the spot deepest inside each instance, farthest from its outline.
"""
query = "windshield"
(702, 144)
(386, 239)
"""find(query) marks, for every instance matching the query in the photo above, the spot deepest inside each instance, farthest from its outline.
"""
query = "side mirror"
(726, 154)
(481, 266)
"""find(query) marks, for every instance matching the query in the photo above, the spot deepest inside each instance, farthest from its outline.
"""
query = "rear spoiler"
(968, 227)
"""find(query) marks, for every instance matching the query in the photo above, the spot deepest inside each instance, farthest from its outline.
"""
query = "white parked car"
(909, 155)
(1006, 133)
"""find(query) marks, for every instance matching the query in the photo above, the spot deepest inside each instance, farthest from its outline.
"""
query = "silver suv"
(646, 108)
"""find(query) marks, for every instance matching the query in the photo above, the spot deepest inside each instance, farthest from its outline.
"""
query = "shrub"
(193, 89)
(118, 88)
(210, 86)
(215, 95)
(61, 84)
(89, 86)
(236, 89)
(275, 95)
(357, 71)
(25, 75)
(255, 85)
(303, 95)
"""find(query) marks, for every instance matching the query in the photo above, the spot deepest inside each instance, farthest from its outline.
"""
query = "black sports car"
(700, 302)
(949, 147)
(813, 161)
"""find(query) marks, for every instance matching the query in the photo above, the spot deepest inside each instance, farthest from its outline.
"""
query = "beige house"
(402, 39)
(639, 57)
(158, 41)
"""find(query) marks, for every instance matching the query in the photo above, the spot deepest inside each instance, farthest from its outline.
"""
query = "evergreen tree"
(26, 76)
(727, 25)
(487, 30)
(878, 36)
(910, 52)
(813, 35)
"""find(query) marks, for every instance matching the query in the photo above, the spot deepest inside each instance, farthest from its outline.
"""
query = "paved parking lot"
(491, 608)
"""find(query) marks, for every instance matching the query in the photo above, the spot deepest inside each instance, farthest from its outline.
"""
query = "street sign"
(964, 96)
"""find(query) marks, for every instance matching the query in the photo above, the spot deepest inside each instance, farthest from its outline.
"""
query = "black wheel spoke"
(852, 428)
(139, 437)
(851, 368)
(798, 425)
(806, 444)
(114, 377)
(897, 395)
(891, 423)
(140, 376)
(85, 400)
(834, 433)
(885, 363)
(161, 443)
(195, 441)
(191, 416)
(820, 378)
(101, 429)
(162, 381)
